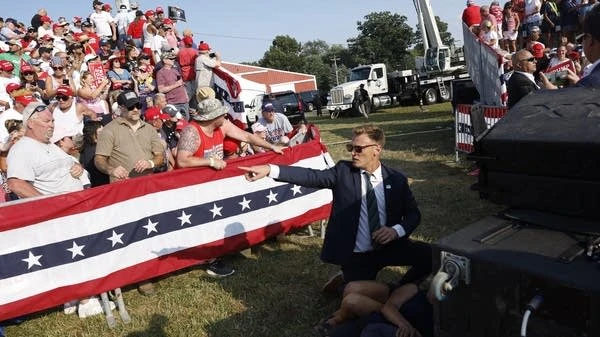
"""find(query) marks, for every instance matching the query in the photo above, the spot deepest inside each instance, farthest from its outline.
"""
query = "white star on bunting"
(216, 210)
(151, 227)
(32, 260)
(184, 218)
(245, 203)
(296, 189)
(115, 238)
(272, 196)
(76, 250)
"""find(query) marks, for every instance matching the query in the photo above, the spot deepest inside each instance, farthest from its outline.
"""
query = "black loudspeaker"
(176, 13)
(510, 264)
(544, 154)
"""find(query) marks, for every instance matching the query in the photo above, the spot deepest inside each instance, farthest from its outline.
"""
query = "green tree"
(315, 47)
(383, 38)
(284, 54)
(446, 36)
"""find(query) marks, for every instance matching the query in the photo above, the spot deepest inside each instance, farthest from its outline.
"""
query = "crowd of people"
(548, 43)
(107, 98)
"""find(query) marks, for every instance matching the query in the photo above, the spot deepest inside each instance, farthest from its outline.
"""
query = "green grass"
(277, 292)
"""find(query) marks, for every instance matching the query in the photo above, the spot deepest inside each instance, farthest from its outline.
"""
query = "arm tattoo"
(189, 141)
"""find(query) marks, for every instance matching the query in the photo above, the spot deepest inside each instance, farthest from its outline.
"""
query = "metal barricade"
(464, 127)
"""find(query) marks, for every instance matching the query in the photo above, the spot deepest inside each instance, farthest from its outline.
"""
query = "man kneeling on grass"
(373, 211)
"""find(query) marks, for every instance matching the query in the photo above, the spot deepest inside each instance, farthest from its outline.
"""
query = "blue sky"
(243, 30)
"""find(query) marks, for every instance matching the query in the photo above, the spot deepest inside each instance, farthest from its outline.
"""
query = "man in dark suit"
(521, 83)
(351, 240)
(591, 48)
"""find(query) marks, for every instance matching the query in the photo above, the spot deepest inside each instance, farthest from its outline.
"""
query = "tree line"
(383, 37)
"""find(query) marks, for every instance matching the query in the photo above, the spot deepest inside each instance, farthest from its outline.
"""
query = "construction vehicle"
(429, 83)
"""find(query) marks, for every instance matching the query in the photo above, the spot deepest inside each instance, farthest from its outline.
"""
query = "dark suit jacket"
(518, 87)
(345, 182)
(591, 80)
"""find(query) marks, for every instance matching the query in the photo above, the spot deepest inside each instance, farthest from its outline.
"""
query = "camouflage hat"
(210, 109)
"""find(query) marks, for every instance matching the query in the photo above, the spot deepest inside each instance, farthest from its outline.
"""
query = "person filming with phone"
(206, 61)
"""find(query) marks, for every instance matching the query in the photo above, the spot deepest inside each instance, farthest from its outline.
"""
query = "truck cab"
(373, 76)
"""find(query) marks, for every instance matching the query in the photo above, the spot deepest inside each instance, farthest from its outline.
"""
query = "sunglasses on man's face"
(62, 98)
(358, 148)
(28, 73)
(135, 106)
(58, 68)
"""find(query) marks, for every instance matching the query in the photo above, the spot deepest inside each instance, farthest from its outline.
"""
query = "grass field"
(276, 292)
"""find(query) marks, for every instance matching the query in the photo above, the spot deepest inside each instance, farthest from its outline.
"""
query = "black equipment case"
(543, 161)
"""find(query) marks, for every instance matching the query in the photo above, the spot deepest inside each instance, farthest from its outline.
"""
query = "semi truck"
(429, 83)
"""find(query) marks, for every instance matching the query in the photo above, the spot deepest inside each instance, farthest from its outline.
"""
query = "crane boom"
(427, 24)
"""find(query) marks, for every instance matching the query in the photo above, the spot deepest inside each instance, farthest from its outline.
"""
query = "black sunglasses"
(62, 98)
(39, 108)
(358, 148)
(531, 59)
(58, 68)
(135, 106)
(27, 73)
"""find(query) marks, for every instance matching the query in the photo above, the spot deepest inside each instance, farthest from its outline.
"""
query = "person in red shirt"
(471, 15)
(93, 39)
(136, 29)
(187, 60)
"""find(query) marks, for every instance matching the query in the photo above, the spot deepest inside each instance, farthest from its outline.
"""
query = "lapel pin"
(388, 187)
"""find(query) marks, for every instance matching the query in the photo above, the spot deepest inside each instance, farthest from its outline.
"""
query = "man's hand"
(385, 235)
(278, 149)
(120, 173)
(218, 164)
(76, 170)
(142, 165)
(254, 173)
(407, 331)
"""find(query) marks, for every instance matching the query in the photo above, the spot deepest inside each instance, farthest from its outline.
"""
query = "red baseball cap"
(230, 146)
(168, 21)
(24, 100)
(149, 13)
(64, 90)
(188, 41)
(10, 87)
(204, 46)
(26, 68)
(45, 18)
(159, 10)
(154, 113)
(6, 66)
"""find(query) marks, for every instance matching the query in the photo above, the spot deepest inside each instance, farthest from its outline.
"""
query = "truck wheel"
(334, 114)
(430, 96)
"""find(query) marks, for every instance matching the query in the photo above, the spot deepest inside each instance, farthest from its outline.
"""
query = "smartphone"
(65, 81)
